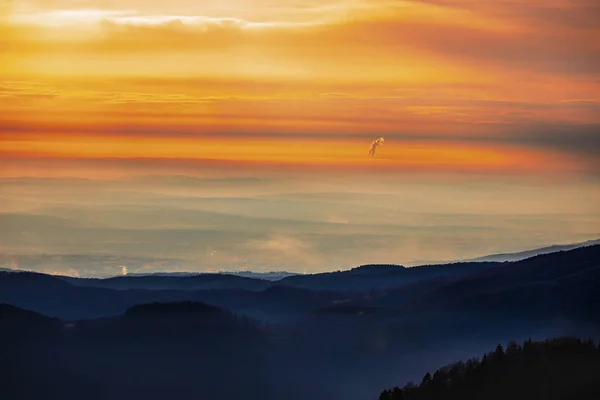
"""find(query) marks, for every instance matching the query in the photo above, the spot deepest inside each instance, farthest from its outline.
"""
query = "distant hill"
(516, 284)
(12, 316)
(557, 292)
(531, 253)
(54, 296)
(380, 277)
(172, 282)
(181, 321)
(468, 286)
(270, 276)
(73, 298)
(343, 335)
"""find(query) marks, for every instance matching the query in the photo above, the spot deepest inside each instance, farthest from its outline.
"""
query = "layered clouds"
(451, 70)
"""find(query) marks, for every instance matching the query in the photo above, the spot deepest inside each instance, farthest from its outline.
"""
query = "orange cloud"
(385, 41)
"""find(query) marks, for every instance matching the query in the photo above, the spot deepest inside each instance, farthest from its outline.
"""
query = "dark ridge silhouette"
(163, 274)
(150, 351)
(538, 268)
(271, 276)
(562, 368)
(27, 344)
(177, 322)
(372, 268)
(501, 257)
(161, 282)
(380, 277)
(12, 317)
(550, 272)
(31, 279)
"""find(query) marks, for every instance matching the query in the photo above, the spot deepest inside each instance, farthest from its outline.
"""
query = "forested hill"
(557, 369)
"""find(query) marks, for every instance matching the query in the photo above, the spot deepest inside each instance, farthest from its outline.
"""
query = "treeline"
(562, 368)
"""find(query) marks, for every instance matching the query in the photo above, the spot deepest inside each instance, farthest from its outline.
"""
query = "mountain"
(380, 277)
(74, 298)
(183, 321)
(551, 294)
(531, 253)
(151, 350)
(363, 278)
(27, 340)
(166, 274)
(270, 276)
(17, 319)
(564, 284)
(172, 282)
(343, 335)
(435, 288)
(563, 271)
(35, 280)
(56, 297)
(556, 294)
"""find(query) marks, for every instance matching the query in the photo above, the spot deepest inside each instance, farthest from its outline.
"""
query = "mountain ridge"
(521, 255)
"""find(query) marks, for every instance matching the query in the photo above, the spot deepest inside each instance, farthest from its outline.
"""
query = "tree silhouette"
(561, 368)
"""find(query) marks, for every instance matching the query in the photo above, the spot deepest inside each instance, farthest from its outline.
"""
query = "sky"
(235, 134)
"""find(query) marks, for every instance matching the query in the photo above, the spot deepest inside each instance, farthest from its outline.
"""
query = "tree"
(426, 379)
(564, 368)
(498, 354)
(512, 348)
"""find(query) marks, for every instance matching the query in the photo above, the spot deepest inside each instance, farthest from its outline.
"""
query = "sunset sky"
(234, 134)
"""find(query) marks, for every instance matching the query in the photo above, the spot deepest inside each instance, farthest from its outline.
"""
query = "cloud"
(337, 220)
(281, 244)
(240, 109)
(412, 39)
(554, 13)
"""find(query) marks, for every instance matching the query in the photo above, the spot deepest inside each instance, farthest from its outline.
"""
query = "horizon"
(415, 264)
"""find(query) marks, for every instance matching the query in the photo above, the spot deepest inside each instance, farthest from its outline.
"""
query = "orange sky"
(489, 77)
(296, 151)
